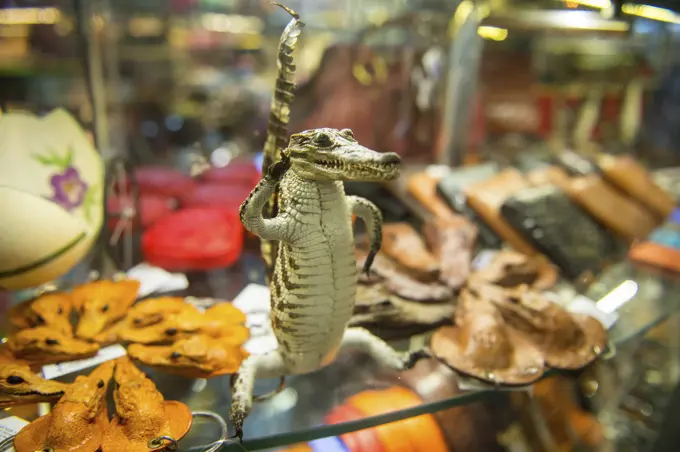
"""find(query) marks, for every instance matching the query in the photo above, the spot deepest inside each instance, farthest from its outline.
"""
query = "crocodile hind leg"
(267, 365)
(379, 350)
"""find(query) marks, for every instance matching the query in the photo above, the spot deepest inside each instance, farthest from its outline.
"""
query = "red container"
(360, 441)
(159, 180)
(197, 238)
(224, 196)
(237, 173)
(152, 208)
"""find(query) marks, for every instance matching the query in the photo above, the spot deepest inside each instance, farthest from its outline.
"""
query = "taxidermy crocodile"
(314, 278)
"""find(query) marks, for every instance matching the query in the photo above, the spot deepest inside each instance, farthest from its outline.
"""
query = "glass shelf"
(644, 299)
(295, 415)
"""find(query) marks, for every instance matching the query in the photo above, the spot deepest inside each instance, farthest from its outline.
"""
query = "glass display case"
(527, 279)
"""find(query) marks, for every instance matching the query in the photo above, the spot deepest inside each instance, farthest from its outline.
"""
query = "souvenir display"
(559, 229)
(102, 303)
(452, 243)
(508, 268)
(632, 178)
(567, 341)
(402, 244)
(487, 197)
(45, 345)
(78, 420)
(51, 197)
(19, 385)
(50, 309)
(483, 346)
(142, 420)
(311, 202)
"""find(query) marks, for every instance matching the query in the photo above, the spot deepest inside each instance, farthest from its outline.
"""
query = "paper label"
(470, 384)
(51, 371)
(584, 305)
(254, 302)
(483, 259)
(154, 279)
(9, 427)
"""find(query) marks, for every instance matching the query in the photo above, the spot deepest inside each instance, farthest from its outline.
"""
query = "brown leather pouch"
(611, 208)
(423, 187)
(629, 176)
(403, 245)
(655, 255)
(487, 197)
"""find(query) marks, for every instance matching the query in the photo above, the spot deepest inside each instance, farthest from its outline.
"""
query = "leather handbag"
(561, 230)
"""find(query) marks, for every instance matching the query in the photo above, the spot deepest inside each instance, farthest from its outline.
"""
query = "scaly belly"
(313, 294)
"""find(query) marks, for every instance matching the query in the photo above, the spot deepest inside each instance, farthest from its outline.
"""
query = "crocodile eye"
(347, 133)
(15, 380)
(39, 320)
(175, 355)
(137, 321)
(60, 311)
(322, 139)
(105, 308)
(51, 342)
(171, 331)
(100, 384)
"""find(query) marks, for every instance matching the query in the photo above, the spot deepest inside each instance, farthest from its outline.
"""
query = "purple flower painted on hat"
(69, 189)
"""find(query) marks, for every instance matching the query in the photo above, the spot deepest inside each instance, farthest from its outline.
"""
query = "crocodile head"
(19, 385)
(51, 309)
(44, 345)
(331, 154)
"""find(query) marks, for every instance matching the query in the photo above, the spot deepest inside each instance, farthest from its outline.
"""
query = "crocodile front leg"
(250, 211)
(268, 365)
(369, 213)
(379, 350)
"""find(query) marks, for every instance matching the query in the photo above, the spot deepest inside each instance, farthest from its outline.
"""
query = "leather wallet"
(629, 176)
(610, 207)
(561, 230)
(451, 189)
(487, 197)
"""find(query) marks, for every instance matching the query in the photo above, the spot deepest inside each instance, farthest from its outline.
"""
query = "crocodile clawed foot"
(414, 357)
(368, 263)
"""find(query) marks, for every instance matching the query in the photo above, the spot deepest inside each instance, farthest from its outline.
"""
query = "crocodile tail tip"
(287, 9)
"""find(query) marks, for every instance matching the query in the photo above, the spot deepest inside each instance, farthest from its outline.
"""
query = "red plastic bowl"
(198, 238)
(152, 207)
(237, 173)
(159, 180)
(224, 196)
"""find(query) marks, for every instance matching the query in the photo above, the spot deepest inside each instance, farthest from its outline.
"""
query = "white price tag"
(9, 427)
(254, 302)
(584, 305)
(154, 279)
(470, 384)
(51, 371)
(483, 259)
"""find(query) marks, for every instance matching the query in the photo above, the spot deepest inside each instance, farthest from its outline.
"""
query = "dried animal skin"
(452, 242)
(141, 412)
(44, 345)
(567, 340)
(19, 385)
(510, 268)
(222, 320)
(77, 422)
(101, 303)
(51, 309)
(403, 245)
(401, 284)
(482, 346)
(197, 356)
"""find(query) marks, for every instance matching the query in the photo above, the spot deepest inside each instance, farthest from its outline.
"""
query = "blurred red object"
(197, 238)
(152, 207)
(360, 441)
(225, 196)
(237, 173)
(163, 181)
